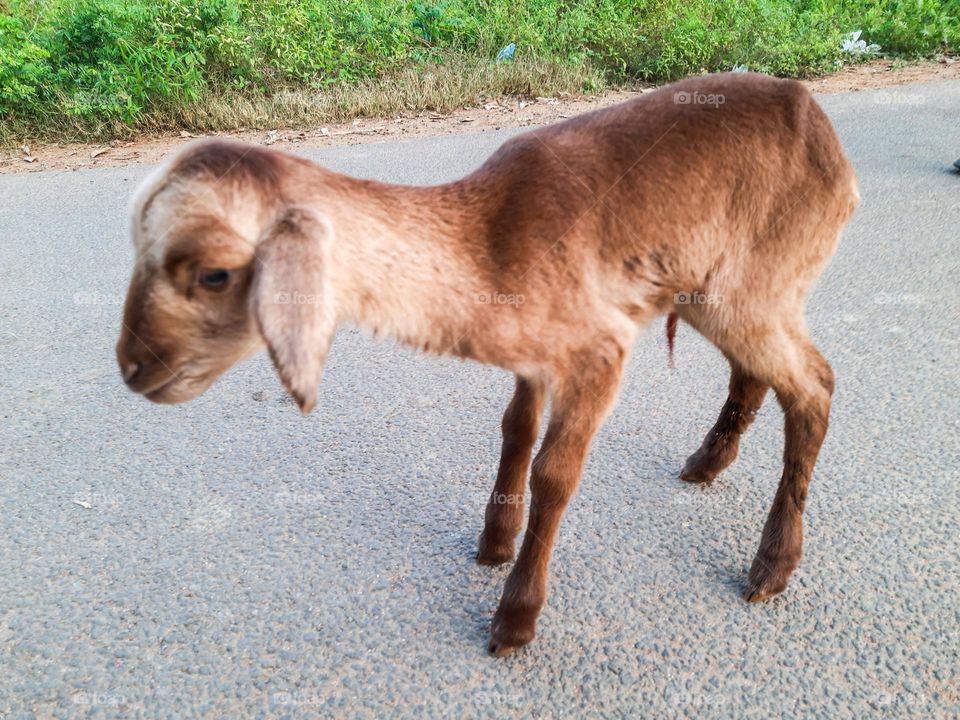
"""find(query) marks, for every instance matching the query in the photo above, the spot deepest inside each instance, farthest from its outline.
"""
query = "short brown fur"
(547, 261)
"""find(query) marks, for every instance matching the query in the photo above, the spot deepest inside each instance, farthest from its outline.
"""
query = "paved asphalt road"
(232, 559)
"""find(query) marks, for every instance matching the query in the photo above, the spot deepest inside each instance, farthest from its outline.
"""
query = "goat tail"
(671, 334)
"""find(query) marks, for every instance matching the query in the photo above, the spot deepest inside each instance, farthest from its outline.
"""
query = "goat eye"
(214, 279)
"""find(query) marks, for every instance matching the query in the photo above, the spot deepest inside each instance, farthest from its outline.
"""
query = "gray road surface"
(233, 559)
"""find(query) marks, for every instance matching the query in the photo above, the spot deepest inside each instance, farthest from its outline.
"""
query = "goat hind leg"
(720, 447)
(804, 393)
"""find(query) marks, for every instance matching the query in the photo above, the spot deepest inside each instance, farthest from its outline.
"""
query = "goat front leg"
(504, 514)
(579, 406)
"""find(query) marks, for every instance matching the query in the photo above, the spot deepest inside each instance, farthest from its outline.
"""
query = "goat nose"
(130, 370)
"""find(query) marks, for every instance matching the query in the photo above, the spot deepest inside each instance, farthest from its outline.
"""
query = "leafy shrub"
(23, 67)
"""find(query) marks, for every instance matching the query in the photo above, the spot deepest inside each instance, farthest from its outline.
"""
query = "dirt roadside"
(491, 116)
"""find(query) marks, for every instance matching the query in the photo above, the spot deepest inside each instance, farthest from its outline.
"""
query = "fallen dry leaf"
(184, 134)
(25, 148)
(29, 158)
(83, 503)
(99, 152)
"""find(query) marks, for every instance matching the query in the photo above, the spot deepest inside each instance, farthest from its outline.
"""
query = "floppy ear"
(291, 301)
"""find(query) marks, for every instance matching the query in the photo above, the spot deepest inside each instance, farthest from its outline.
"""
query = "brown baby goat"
(731, 189)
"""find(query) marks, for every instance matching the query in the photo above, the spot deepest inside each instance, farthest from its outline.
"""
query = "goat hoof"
(501, 650)
(494, 553)
(765, 581)
(697, 475)
(755, 594)
(494, 559)
(504, 640)
(703, 467)
(711, 459)
(698, 470)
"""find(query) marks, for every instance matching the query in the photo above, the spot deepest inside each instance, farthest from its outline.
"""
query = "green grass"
(87, 69)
